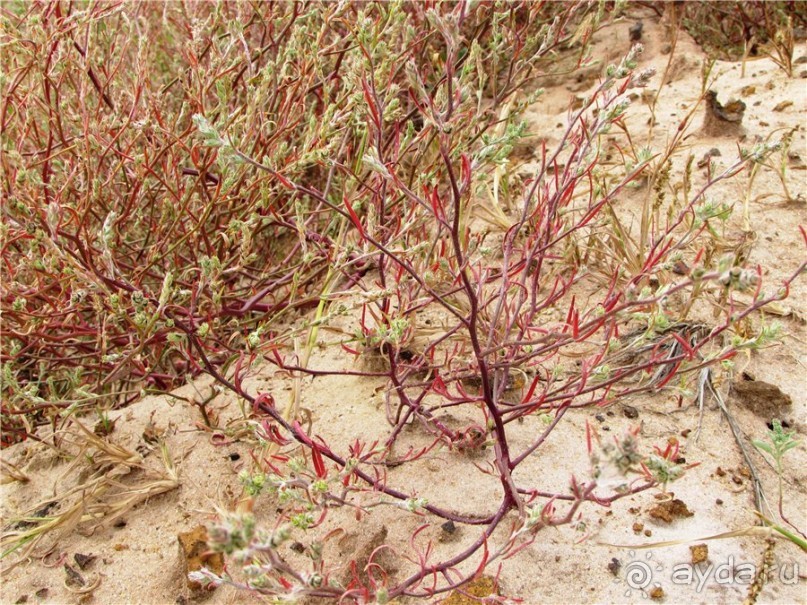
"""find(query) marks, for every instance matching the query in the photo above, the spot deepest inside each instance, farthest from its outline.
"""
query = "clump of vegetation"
(738, 30)
(778, 444)
(202, 194)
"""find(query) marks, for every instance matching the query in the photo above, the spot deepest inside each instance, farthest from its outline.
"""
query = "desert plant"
(105, 494)
(735, 30)
(779, 442)
(498, 311)
(118, 216)
(297, 164)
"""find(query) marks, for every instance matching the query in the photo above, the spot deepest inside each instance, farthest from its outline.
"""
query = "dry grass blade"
(11, 473)
(100, 499)
(753, 530)
(705, 386)
(84, 589)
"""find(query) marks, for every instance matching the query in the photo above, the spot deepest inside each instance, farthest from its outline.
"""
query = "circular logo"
(637, 574)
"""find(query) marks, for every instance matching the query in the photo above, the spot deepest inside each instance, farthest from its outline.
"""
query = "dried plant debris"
(195, 553)
(104, 493)
(83, 561)
(783, 105)
(762, 575)
(669, 510)
(34, 518)
(11, 473)
(77, 584)
(699, 553)
(73, 578)
(723, 120)
(476, 591)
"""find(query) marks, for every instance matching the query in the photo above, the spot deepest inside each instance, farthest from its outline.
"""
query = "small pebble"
(635, 31)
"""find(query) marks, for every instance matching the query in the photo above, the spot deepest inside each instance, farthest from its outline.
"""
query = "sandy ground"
(137, 558)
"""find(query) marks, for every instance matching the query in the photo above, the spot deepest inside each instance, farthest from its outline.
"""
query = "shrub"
(128, 213)
(202, 194)
(735, 30)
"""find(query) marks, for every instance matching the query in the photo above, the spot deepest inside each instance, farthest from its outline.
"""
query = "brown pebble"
(670, 509)
(638, 527)
(657, 593)
(795, 161)
(720, 472)
(719, 502)
(635, 31)
(699, 552)
(83, 561)
(648, 533)
(195, 553)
